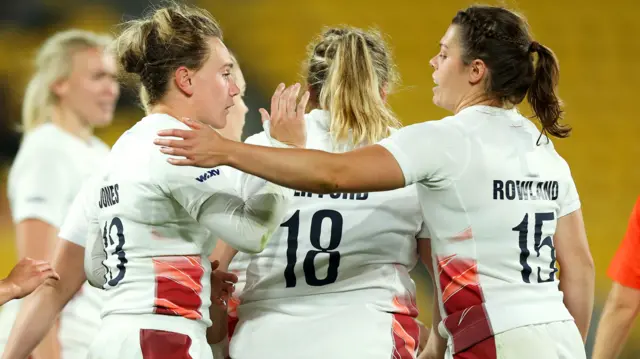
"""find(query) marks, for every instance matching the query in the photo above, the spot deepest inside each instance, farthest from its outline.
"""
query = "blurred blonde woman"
(72, 91)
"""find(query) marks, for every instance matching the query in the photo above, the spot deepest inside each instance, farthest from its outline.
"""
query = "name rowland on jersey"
(525, 190)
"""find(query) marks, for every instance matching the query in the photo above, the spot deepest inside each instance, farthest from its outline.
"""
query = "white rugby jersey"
(361, 244)
(148, 226)
(44, 179)
(491, 198)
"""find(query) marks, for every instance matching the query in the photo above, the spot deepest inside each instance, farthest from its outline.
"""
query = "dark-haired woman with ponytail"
(499, 201)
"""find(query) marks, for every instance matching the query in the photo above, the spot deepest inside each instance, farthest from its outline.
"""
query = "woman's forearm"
(578, 285)
(38, 314)
(371, 168)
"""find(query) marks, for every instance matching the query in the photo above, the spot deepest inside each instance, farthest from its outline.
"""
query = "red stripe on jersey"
(464, 235)
(232, 315)
(486, 349)
(406, 334)
(178, 286)
(160, 344)
(406, 305)
(466, 319)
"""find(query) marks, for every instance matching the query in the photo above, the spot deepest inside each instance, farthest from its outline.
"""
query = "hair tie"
(534, 46)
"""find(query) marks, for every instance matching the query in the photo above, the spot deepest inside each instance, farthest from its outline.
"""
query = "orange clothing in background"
(625, 266)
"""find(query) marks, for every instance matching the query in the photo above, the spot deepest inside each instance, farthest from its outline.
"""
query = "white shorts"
(149, 336)
(348, 332)
(79, 325)
(557, 340)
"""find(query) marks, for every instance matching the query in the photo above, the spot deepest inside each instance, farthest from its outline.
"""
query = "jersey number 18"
(308, 266)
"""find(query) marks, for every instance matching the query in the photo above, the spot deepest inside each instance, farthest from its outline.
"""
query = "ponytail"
(351, 92)
(36, 103)
(542, 95)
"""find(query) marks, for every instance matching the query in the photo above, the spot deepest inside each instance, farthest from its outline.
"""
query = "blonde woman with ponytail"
(72, 91)
(334, 281)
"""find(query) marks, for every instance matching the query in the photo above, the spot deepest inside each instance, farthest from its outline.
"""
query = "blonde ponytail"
(348, 70)
(53, 63)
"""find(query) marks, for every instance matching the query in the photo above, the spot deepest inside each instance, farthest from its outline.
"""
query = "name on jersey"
(210, 173)
(109, 196)
(350, 196)
(525, 190)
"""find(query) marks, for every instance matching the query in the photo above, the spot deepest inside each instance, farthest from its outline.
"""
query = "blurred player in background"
(24, 278)
(144, 227)
(499, 201)
(339, 261)
(623, 304)
(237, 113)
(233, 130)
(73, 91)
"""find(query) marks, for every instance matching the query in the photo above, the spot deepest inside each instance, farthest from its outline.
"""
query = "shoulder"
(258, 139)
(433, 130)
(46, 139)
(100, 145)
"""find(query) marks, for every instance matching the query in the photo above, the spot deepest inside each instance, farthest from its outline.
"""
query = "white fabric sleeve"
(247, 184)
(210, 197)
(424, 232)
(570, 202)
(82, 218)
(41, 187)
(433, 151)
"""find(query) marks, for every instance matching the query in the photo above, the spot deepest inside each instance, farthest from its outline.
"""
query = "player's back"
(156, 251)
(338, 242)
(492, 210)
(338, 260)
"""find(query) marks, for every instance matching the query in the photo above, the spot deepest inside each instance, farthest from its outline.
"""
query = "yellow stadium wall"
(596, 45)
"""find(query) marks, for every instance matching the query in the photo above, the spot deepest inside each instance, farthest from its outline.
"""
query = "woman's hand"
(286, 121)
(27, 275)
(222, 285)
(202, 146)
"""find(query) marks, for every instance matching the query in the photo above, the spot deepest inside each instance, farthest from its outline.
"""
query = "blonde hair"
(153, 47)
(347, 69)
(53, 63)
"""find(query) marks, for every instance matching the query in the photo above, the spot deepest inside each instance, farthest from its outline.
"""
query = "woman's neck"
(177, 112)
(70, 122)
(475, 100)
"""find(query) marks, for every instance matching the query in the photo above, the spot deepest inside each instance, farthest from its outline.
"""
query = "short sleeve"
(430, 151)
(210, 197)
(246, 183)
(571, 201)
(625, 266)
(40, 187)
(192, 187)
(82, 216)
(424, 232)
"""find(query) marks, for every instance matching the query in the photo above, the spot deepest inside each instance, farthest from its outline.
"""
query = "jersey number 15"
(538, 243)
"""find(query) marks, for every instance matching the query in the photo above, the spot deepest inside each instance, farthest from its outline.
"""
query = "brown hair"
(346, 70)
(153, 47)
(501, 39)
